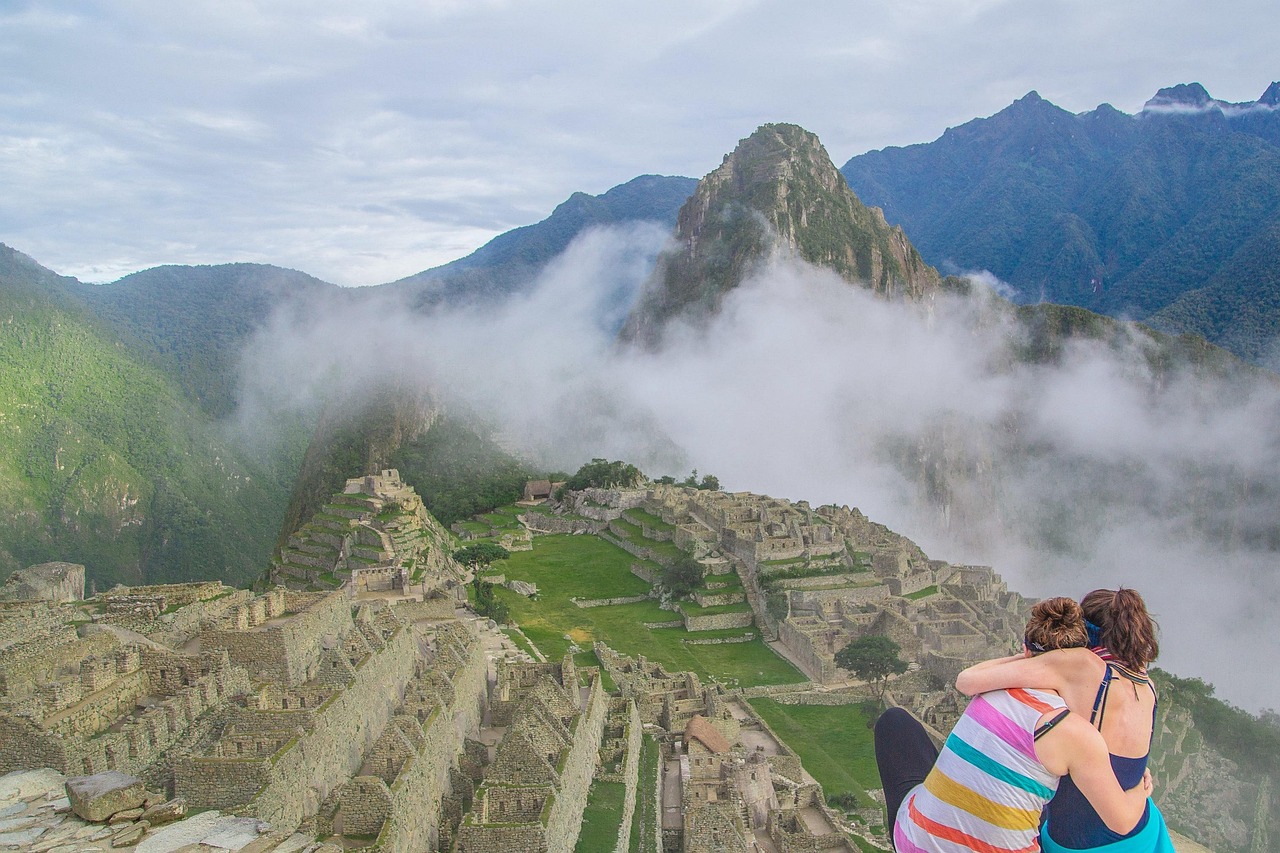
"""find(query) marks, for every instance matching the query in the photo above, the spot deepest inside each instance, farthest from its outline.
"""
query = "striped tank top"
(987, 788)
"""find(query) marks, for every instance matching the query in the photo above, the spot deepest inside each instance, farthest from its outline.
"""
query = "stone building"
(535, 789)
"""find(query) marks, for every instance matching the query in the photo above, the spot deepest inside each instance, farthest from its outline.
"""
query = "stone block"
(165, 812)
(130, 834)
(96, 798)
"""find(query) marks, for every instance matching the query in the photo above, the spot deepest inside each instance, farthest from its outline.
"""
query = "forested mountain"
(194, 321)
(105, 460)
(1120, 214)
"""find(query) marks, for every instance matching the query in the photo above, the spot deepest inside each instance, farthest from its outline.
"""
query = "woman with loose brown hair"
(1106, 683)
(1001, 763)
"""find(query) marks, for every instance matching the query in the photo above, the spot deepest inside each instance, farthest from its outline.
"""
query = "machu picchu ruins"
(355, 701)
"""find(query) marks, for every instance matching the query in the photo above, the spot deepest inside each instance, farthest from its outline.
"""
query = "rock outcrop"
(777, 194)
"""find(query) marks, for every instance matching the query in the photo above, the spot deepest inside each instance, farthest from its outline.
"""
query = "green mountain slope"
(104, 461)
(194, 321)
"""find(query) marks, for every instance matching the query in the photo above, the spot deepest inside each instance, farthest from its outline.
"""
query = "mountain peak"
(1183, 97)
(776, 194)
(1271, 97)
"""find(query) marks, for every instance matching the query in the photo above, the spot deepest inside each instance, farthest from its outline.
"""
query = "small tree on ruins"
(872, 659)
(480, 554)
(683, 576)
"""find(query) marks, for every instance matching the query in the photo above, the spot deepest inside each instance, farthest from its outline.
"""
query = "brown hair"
(1128, 631)
(1056, 623)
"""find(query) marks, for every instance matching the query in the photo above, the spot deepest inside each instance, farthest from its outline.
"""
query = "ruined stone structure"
(726, 781)
(534, 792)
(375, 535)
(343, 713)
(817, 579)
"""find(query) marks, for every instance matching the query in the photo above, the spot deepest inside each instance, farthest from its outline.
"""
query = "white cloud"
(255, 131)
(1086, 473)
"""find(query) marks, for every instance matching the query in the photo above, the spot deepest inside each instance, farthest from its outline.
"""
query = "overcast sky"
(365, 142)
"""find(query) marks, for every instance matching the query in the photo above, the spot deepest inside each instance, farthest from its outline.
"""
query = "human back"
(1106, 685)
(1001, 763)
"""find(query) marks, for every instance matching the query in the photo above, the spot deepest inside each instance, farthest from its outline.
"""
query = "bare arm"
(1075, 747)
(1014, 671)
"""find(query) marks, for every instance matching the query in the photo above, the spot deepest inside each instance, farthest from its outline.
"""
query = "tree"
(683, 576)
(480, 554)
(488, 604)
(603, 474)
(873, 658)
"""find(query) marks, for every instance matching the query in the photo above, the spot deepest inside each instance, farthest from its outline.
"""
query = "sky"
(362, 143)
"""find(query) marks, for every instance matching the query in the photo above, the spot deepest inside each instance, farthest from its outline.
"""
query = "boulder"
(96, 798)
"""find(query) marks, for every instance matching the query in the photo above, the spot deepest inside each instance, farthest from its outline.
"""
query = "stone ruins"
(357, 704)
(815, 579)
(375, 535)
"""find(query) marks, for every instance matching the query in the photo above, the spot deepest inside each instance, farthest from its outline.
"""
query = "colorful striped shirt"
(987, 788)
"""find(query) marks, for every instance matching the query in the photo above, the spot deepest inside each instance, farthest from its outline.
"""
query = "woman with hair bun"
(1001, 763)
(1107, 684)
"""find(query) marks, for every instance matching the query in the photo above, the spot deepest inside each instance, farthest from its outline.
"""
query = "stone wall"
(719, 641)
(307, 769)
(630, 775)
(719, 621)
(638, 551)
(813, 599)
(41, 660)
(565, 819)
(500, 838)
(289, 651)
(423, 781)
(608, 602)
(221, 783)
(80, 742)
(539, 522)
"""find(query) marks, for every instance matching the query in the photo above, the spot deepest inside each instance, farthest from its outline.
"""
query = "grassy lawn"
(833, 742)
(923, 593)
(589, 567)
(602, 818)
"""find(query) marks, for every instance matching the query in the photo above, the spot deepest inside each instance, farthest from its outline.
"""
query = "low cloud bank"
(1092, 472)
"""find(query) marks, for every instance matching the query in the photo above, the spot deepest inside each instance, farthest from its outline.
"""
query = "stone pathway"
(35, 815)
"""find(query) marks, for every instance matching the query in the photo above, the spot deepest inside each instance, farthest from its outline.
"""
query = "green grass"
(646, 816)
(602, 818)
(639, 516)
(924, 593)
(833, 741)
(589, 567)
(521, 643)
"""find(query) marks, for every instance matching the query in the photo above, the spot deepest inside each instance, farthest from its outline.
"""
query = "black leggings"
(904, 754)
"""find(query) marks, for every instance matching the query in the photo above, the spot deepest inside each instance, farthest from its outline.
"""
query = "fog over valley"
(1088, 470)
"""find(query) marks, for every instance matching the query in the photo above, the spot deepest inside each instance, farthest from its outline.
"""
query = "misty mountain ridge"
(1124, 215)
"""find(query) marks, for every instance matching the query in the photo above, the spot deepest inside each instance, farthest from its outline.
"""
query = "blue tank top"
(1073, 822)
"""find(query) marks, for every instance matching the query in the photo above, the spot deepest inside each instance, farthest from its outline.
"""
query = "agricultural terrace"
(588, 567)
